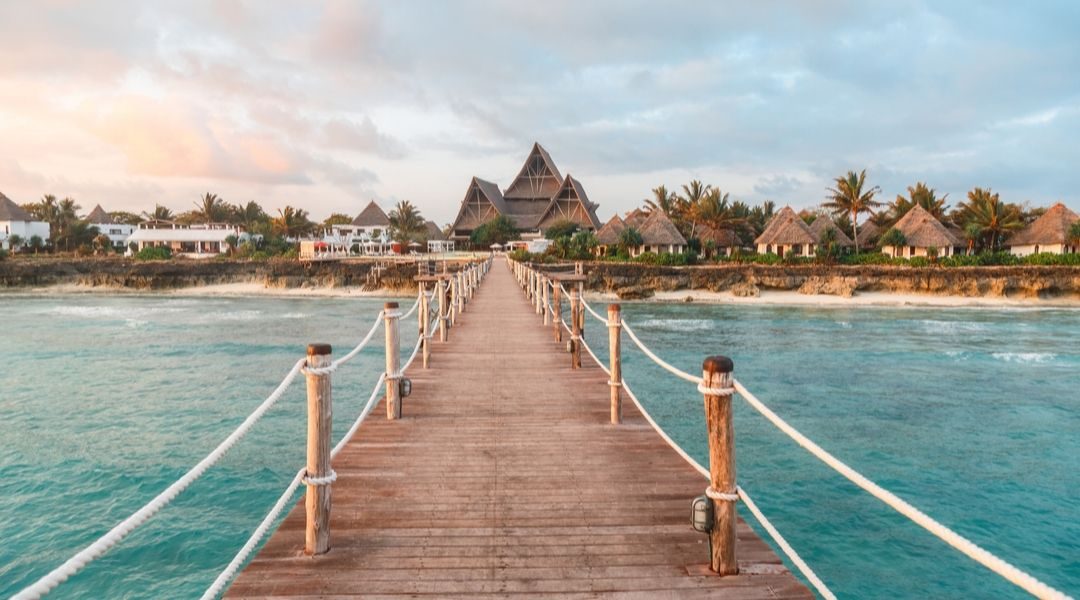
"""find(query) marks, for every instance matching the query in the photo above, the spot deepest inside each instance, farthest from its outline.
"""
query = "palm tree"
(848, 197)
(161, 213)
(250, 215)
(405, 222)
(211, 209)
(292, 222)
(918, 195)
(972, 232)
(67, 216)
(715, 211)
(663, 201)
(1074, 233)
(689, 203)
(994, 218)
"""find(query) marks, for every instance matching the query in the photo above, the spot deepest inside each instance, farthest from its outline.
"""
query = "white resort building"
(118, 232)
(14, 221)
(194, 241)
(369, 232)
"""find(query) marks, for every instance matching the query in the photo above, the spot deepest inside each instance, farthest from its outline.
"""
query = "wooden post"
(575, 323)
(581, 307)
(546, 301)
(539, 299)
(454, 293)
(716, 373)
(557, 308)
(444, 323)
(393, 378)
(320, 427)
(460, 278)
(425, 325)
(614, 323)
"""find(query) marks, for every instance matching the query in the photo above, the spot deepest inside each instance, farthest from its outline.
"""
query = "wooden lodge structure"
(1048, 233)
(536, 199)
(922, 232)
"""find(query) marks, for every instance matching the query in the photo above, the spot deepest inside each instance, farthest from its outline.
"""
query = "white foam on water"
(295, 315)
(677, 324)
(1025, 357)
(951, 327)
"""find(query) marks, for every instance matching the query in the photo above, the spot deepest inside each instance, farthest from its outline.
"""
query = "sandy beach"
(767, 297)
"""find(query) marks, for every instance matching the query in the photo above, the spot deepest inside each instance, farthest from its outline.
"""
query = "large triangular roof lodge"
(1049, 229)
(538, 197)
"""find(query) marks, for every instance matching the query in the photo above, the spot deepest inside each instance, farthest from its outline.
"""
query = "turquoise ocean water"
(973, 415)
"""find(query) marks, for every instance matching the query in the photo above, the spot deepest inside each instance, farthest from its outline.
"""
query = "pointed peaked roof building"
(610, 232)
(98, 216)
(371, 216)
(922, 230)
(537, 198)
(822, 224)
(9, 211)
(538, 178)
(786, 229)
(1052, 228)
(658, 230)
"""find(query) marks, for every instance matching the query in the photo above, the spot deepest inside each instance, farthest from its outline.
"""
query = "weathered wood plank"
(505, 477)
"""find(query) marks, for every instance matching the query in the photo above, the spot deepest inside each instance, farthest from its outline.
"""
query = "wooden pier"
(505, 476)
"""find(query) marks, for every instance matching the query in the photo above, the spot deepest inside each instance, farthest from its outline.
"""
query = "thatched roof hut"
(635, 218)
(433, 231)
(658, 230)
(922, 230)
(608, 235)
(1050, 229)
(98, 216)
(869, 234)
(9, 211)
(785, 229)
(720, 238)
(823, 223)
(371, 216)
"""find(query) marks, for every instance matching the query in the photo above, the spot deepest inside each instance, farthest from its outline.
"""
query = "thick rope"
(364, 342)
(284, 500)
(119, 532)
(1006, 570)
(1025, 581)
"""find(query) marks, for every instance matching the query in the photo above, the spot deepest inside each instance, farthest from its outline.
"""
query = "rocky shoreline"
(617, 280)
(632, 281)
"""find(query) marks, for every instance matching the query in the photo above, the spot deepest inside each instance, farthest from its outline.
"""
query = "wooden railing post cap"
(318, 349)
(390, 305)
(717, 364)
(614, 307)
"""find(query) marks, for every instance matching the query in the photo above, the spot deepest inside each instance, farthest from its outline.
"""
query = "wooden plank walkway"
(505, 477)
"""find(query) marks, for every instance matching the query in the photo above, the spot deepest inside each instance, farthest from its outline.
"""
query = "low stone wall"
(635, 281)
(129, 274)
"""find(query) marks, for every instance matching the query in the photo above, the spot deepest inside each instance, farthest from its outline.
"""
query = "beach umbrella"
(496, 246)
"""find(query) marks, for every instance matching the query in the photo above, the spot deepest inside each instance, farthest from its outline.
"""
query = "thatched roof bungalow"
(786, 233)
(659, 234)
(921, 233)
(869, 233)
(608, 236)
(822, 224)
(721, 241)
(1048, 233)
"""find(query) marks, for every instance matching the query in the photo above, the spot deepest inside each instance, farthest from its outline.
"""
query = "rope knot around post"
(317, 481)
(717, 383)
(717, 495)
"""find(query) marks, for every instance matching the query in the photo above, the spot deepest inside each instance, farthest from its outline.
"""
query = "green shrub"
(3, 254)
(158, 253)
(1047, 259)
(919, 261)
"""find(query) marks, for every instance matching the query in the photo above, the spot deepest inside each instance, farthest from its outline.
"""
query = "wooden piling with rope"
(319, 429)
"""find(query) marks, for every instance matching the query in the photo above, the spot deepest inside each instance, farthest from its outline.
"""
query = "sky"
(325, 105)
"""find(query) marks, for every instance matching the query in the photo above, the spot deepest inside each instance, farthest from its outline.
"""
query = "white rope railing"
(797, 560)
(997, 565)
(260, 532)
(119, 532)
(364, 342)
(264, 526)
